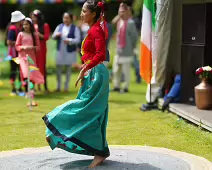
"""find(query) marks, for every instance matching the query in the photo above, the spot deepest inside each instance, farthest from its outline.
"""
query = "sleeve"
(37, 42)
(115, 19)
(55, 32)
(77, 38)
(133, 34)
(46, 32)
(100, 46)
(11, 35)
(18, 43)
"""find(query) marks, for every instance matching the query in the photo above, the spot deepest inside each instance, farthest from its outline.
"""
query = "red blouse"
(46, 28)
(94, 47)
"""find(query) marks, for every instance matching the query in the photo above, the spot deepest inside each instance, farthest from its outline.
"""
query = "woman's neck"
(91, 24)
(68, 24)
(17, 25)
(28, 32)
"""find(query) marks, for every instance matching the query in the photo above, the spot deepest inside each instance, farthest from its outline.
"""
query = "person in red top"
(79, 126)
(44, 33)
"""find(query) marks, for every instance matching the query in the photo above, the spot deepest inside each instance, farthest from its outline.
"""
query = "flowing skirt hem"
(88, 149)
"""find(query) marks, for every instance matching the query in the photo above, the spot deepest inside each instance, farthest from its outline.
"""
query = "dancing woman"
(79, 126)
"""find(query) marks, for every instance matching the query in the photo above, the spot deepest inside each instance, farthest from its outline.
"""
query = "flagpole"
(28, 82)
(150, 92)
(147, 49)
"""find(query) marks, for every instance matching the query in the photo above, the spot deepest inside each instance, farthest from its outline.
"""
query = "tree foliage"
(137, 6)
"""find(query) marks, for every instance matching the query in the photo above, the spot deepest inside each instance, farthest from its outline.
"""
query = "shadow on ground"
(120, 159)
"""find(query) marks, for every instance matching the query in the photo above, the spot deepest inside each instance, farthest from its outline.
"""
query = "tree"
(137, 6)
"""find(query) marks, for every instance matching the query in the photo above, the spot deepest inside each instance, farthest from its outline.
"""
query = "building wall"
(174, 58)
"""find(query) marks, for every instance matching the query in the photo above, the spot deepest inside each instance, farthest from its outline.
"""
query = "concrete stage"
(122, 158)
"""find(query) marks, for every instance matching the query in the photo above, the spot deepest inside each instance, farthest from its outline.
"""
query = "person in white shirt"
(127, 37)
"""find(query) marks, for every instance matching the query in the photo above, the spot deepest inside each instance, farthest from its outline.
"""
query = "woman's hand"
(24, 47)
(77, 66)
(40, 35)
(58, 35)
(80, 77)
(66, 41)
(27, 47)
(11, 43)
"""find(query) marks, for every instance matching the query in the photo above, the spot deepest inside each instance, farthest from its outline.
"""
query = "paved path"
(122, 158)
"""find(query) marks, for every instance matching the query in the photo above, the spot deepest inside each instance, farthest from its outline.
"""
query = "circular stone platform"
(122, 158)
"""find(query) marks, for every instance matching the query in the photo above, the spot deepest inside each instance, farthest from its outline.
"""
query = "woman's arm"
(18, 44)
(37, 47)
(100, 46)
(46, 32)
(10, 43)
(115, 19)
(56, 33)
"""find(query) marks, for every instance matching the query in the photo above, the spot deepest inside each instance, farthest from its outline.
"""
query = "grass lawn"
(20, 128)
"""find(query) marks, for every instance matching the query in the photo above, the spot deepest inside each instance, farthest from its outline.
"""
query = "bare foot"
(97, 161)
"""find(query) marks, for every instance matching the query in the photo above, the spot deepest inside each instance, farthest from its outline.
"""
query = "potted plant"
(203, 91)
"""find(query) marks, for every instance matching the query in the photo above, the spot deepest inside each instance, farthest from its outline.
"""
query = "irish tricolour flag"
(147, 39)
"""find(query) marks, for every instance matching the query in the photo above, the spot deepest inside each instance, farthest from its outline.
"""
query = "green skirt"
(79, 126)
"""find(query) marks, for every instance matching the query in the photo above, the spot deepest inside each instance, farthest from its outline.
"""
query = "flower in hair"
(36, 12)
(101, 5)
